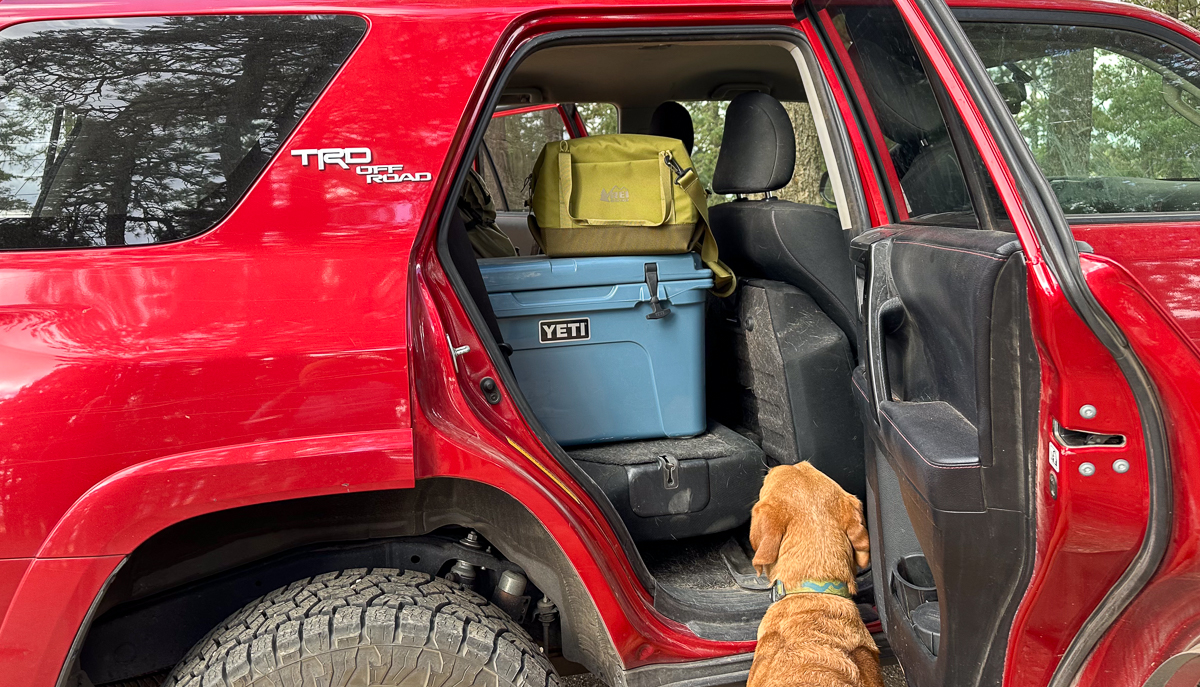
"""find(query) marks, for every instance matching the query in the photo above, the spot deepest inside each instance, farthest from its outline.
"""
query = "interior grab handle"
(888, 318)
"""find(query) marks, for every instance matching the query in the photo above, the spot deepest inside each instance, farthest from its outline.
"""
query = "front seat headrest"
(672, 120)
(907, 110)
(758, 148)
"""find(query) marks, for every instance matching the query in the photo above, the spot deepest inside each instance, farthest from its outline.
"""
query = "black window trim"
(1094, 20)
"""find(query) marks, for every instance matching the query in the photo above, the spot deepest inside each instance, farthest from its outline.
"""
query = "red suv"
(261, 425)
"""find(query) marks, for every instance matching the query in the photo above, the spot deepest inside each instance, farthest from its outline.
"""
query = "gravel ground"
(892, 677)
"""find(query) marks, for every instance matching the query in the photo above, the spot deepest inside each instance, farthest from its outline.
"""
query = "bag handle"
(724, 280)
(566, 181)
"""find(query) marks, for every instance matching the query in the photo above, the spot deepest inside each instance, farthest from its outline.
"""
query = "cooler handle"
(652, 283)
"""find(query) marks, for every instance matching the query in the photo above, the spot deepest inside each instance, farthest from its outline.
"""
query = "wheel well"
(186, 579)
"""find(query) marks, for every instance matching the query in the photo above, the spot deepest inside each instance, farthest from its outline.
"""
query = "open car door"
(1012, 383)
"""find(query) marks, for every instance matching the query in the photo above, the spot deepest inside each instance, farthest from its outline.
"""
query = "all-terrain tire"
(363, 628)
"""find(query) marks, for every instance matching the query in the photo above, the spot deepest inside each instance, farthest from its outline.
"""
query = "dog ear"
(767, 526)
(855, 531)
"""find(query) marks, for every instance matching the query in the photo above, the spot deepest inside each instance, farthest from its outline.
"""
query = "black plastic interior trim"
(472, 144)
(1062, 256)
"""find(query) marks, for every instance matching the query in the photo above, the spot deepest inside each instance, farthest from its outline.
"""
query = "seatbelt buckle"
(652, 283)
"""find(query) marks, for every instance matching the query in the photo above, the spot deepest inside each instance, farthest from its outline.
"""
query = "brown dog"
(808, 534)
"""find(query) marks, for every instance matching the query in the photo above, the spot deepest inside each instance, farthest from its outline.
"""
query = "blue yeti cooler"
(606, 349)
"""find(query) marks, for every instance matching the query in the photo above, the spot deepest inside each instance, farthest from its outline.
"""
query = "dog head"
(805, 526)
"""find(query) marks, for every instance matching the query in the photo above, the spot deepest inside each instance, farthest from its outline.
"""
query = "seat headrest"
(758, 148)
(672, 120)
(905, 106)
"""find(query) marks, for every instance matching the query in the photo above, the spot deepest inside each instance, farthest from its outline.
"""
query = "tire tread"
(366, 627)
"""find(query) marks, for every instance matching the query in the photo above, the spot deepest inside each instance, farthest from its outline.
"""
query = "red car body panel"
(292, 326)
(1165, 618)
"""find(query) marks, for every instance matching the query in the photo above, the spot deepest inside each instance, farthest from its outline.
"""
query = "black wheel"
(362, 628)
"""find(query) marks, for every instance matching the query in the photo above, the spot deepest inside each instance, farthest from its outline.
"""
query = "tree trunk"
(1070, 108)
(810, 162)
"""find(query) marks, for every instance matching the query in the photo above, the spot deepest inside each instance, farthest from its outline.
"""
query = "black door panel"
(949, 383)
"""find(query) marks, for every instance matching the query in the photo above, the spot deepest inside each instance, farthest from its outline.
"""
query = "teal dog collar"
(779, 591)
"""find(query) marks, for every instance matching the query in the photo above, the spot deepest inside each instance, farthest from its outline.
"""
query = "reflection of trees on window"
(149, 129)
(1112, 117)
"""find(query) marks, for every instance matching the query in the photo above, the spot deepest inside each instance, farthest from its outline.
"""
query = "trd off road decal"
(361, 159)
(553, 331)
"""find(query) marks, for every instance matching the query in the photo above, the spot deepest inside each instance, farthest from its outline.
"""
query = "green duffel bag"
(622, 194)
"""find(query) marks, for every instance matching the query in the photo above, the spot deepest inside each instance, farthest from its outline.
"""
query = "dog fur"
(806, 527)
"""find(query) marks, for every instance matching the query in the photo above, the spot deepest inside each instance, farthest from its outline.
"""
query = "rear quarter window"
(149, 129)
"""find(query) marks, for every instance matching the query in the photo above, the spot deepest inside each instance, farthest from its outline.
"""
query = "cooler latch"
(669, 465)
(652, 282)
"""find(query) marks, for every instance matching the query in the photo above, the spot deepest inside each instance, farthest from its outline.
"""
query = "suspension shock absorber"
(462, 571)
(546, 614)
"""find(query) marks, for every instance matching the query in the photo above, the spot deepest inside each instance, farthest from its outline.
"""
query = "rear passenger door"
(943, 307)
(955, 396)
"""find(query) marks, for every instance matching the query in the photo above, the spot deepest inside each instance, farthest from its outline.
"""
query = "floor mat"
(693, 563)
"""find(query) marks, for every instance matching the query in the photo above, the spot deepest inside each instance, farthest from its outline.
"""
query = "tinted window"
(122, 131)
(1112, 117)
(906, 122)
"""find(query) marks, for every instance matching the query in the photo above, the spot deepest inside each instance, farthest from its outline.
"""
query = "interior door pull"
(887, 319)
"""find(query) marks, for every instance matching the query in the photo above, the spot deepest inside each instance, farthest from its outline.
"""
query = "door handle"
(888, 318)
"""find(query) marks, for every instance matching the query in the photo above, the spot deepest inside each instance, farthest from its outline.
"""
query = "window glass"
(512, 144)
(122, 131)
(905, 122)
(1112, 117)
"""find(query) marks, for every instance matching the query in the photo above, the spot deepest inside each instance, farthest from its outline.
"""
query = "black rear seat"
(675, 488)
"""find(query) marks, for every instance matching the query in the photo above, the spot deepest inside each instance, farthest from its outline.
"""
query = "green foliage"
(1186, 11)
(1109, 115)
(708, 121)
(599, 118)
(1137, 134)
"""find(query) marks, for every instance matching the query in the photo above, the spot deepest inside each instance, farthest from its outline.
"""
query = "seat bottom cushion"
(675, 488)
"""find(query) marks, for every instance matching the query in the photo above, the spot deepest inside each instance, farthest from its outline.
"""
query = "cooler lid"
(539, 272)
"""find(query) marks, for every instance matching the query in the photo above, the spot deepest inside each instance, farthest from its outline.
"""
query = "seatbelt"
(724, 280)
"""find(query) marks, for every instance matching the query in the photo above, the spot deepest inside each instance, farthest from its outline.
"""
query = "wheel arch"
(206, 566)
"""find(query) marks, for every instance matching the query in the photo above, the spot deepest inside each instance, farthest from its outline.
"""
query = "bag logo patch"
(617, 194)
(554, 331)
